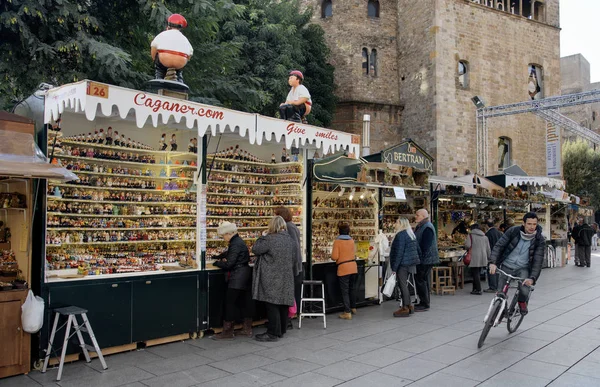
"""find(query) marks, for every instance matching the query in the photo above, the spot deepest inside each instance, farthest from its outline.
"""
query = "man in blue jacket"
(428, 256)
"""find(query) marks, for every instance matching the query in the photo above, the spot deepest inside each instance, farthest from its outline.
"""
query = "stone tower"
(446, 52)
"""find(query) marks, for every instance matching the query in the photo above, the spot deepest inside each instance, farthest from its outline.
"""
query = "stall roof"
(21, 157)
(92, 98)
(407, 154)
(516, 176)
(338, 169)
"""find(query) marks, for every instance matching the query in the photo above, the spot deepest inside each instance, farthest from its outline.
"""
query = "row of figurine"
(131, 183)
(119, 196)
(56, 238)
(245, 179)
(114, 209)
(108, 222)
(81, 166)
(249, 168)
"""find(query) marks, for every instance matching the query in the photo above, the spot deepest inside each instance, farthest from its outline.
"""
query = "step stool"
(442, 277)
(72, 312)
(458, 274)
(312, 300)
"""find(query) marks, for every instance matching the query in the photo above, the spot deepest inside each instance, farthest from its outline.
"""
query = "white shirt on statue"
(172, 40)
(299, 92)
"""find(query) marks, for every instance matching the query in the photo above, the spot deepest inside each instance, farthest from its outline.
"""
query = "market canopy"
(516, 176)
(21, 157)
(93, 98)
(338, 169)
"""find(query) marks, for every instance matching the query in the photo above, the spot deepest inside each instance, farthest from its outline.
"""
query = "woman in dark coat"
(404, 256)
(273, 281)
(239, 275)
(480, 254)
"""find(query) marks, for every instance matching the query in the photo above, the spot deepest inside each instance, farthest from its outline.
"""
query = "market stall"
(21, 165)
(156, 177)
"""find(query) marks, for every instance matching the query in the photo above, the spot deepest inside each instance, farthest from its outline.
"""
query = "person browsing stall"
(344, 255)
(404, 256)
(239, 275)
(479, 245)
(428, 255)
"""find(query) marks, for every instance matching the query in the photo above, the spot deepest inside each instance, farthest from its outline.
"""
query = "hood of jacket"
(477, 232)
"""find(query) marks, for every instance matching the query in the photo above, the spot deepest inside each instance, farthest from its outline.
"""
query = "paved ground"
(557, 345)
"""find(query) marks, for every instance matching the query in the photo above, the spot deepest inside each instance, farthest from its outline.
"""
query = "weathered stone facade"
(575, 78)
(432, 36)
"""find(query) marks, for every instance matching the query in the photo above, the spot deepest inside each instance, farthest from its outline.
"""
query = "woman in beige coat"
(480, 254)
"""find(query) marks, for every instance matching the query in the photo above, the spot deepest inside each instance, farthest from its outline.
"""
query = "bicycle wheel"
(514, 316)
(489, 323)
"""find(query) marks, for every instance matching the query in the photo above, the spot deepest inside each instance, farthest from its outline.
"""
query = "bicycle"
(497, 310)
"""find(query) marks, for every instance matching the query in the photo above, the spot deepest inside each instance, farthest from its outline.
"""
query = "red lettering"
(141, 99)
(184, 109)
(328, 135)
(292, 128)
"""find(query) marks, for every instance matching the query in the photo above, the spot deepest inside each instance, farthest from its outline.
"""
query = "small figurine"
(171, 49)
(173, 143)
(162, 143)
(109, 134)
(123, 141)
(284, 156)
(89, 137)
(273, 160)
(101, 136)
(163, 173)
(191, 145)
(117, 139)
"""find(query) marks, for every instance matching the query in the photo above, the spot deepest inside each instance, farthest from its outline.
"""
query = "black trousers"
(292, 112)
(238, 299)
(583, 255)
(298, 289)
(278, 317)
(475, 273)
(348, 293)
(402, 280)
(423, 284)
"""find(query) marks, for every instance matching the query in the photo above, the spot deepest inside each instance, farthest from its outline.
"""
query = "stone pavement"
(557, 345)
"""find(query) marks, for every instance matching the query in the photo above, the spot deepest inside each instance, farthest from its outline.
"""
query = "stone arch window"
(373, 8)
(504, 152)
(365, 61)
(463, 74)
(373, 63)
(500, 5)
(326, 9)
(535, 82)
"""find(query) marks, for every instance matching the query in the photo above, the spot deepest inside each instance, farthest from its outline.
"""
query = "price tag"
(97, 90)
(399, 193)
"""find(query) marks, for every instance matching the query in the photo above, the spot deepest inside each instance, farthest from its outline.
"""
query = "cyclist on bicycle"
(520, 252)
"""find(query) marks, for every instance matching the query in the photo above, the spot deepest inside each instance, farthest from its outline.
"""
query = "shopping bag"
(292, 310)
(390, 285)
(32, 313)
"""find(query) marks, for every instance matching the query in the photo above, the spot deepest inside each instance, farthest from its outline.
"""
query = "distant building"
(415, 65)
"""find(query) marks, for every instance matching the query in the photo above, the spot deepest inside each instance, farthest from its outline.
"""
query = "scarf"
(344, 237)
(527, 237)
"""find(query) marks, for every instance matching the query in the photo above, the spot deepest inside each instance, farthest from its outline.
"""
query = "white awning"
(536, 181)
(92, 98)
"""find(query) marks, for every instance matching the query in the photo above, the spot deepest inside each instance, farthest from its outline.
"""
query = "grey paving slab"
(523, 344)
(573, 380)
(447, 354)
(559, 355)
(170, 350)
(470, 369)
(497, 356)
(539, 333)
(242, 363)
(346, 370)
(357, 347)
(125, 359)
(75, 371)
(291, 367)
(179, 363)
(413, 367)
(389, 337)
(318, 343)
(446, 380)
(235, 350)
(376, 379)
(18, 381)
(109, 378)
(249, 378)
(325, 356)
(509, 378)
(417, 344)
(285, 352)
(594, 356)
(538, 369)
(586, 368)
(309, 379)
(189, 377)
(382, 357)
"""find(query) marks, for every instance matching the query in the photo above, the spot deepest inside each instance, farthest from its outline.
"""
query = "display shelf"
(122, 189)
(254, 173)
(212, 157)
(56, 198)
(251, 205)
(256, 184)
(120, 236)
(123, 216)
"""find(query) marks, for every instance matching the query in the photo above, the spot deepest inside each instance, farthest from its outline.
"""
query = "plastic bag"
(32, 313)
(292, 310)
(390, 285)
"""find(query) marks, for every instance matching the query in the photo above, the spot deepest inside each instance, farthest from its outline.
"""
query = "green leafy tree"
(581, 166)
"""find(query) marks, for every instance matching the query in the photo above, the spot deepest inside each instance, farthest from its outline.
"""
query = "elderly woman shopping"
(239, 275)
(273, 281)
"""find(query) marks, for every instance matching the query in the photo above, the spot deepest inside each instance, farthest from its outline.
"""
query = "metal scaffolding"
(544, 108)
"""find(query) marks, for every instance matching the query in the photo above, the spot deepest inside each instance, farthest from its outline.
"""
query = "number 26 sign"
(97, 90)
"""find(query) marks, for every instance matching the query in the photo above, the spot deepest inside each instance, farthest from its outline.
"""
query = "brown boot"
(247, 328)
(227, 333)
(402, 312)
(411, 308)
(346, 316)
(353, 310)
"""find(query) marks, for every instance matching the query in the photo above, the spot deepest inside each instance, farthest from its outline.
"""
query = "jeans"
(475, 273)
(402, 281)
(278, 317)
(423, 284)
(238, 298)
(492, 280)
(348, 294)
(522, 273)
(292, 112)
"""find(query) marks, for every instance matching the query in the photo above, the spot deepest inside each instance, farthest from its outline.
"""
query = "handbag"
(467, 256)
(292, 310)
(390, 285)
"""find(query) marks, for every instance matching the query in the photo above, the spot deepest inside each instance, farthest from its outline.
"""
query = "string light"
(352, 194)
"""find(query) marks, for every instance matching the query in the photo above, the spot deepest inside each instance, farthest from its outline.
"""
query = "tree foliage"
(243, 50)
(581, 165)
